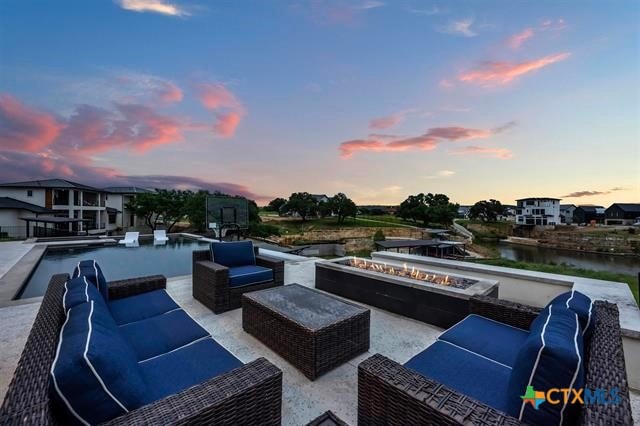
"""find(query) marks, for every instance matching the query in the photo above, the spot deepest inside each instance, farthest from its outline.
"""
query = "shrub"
(262, 230)
(379, 235)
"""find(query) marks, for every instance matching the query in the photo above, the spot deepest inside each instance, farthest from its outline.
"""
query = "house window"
(530, 203)
(29, 193)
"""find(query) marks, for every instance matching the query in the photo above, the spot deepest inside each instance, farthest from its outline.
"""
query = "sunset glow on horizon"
(376, 99)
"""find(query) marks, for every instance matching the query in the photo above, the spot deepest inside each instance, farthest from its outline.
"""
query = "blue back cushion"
(236, 253)
(91, 270)
(95, 376)
(551, 357)
(582, 305)
(79, 290)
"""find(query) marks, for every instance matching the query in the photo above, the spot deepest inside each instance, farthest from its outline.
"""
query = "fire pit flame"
(407, 272)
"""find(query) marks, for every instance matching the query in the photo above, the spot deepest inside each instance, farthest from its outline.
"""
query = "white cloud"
(370, 4)
(435, 10)
(442, 174)
(461, 27)
(155, 6)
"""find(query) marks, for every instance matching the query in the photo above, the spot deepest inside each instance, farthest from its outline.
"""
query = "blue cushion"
(79, 290)
(141, 306)
(465, 372)
(95, 375)
(236, 253)
(551, 357)
(582, 305)
(250, 274)
(178, 370)
(160, 334)
(91, 270)
(495, 340)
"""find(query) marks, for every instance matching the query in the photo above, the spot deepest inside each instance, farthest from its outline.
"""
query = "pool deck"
(392, 335)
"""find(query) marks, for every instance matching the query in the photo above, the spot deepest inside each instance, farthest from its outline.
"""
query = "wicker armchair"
(391, 394)
(211, 281)
(250, 394)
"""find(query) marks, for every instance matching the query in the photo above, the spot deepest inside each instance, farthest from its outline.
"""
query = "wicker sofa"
(220, 283)
(393, 394)
(236, 393)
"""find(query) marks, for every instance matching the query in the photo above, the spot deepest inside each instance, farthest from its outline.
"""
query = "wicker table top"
(305, 306)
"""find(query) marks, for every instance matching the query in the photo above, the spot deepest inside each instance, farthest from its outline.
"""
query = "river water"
(594, 261)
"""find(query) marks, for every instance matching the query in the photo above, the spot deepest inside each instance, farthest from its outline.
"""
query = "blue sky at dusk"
(377, 99)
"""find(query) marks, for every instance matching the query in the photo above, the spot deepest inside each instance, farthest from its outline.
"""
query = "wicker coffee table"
(314, 331)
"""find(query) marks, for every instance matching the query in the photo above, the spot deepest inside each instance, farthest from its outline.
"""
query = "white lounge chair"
(160, 237)
(130, 239)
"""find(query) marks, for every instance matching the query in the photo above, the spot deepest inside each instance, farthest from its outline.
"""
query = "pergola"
(437, 248)
(49, 219)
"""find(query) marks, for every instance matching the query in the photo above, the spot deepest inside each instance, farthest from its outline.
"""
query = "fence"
(13, 232)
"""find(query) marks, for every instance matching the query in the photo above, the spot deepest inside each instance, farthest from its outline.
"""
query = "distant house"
(622, 214)
(84, 206)
(320, 198)
(589, 214)
(117, 199)
(12, 212)
(538, 211)
(463, 212)
(566, 213)
(509, 213)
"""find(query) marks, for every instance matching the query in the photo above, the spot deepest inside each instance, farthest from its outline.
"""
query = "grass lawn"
(631, 280)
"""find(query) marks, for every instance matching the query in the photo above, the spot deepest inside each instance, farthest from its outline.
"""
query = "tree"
(165, 207)
(342, 206)
(303, 204)
(429, 208)
(486, 211)
(195, 209)
(275, 204)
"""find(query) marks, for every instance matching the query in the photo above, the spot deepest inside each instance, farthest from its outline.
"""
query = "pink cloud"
(494, 73)
(516, 40)
(426, 142)
(23, 128)
(445, 83)
(169, 93)
(226, 123)
(501, 153)
(216, 95)
(388, 121)
(553, 25)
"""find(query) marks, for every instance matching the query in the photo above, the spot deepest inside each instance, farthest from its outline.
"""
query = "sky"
(376, 99)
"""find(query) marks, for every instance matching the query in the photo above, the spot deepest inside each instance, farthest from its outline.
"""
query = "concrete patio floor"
(392, 335)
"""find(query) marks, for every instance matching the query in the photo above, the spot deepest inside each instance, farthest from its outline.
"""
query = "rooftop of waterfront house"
(393, 335)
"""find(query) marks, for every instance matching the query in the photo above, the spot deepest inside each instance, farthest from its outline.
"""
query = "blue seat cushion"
(245, 275)
(235, 253)
(91, 270)
(79, 290)
(494, 340)
(464, 372)
(95, 375)
(551, 357)
(186, 367)
(160, 334)
(582, 305)
(141, 306)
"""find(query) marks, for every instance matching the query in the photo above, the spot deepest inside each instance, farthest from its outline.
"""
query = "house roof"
(12, 203)
(49, 183)
(566, 206)
(538, 198)
(319, 196)
(126, 190)
(627, 207)
(592, 209)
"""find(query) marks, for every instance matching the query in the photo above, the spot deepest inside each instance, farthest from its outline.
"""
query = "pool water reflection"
(117, 262)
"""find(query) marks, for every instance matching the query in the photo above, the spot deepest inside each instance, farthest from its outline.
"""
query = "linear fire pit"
(428, 296)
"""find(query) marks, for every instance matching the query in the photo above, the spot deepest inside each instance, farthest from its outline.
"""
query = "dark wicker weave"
(390, 394)
(251, 394)
(327, 419)
(312, 351)
(211, 281)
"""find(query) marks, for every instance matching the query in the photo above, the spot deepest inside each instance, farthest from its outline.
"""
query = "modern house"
(588, 214)
(509, 213)
(566, 213)
(12, 212)
(463, 212)
(538, 211)
(76, 207)
(117, 199)
(320, 198)
(622, 214)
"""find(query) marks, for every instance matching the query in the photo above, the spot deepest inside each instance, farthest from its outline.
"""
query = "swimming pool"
(117, 262)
